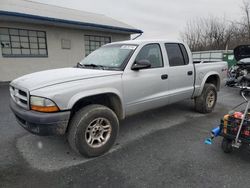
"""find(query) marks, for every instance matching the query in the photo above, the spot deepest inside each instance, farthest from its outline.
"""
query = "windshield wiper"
(92, 65)
(79, 65)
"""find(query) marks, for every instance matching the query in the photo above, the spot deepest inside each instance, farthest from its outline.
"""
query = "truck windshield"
(108, 57)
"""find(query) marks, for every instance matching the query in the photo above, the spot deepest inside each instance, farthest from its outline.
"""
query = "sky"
(157, 18)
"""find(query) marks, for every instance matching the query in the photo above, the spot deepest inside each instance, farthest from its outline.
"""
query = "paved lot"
(159, 148)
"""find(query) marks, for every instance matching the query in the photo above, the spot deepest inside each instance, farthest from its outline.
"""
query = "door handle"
(164, 76)
(189, 73)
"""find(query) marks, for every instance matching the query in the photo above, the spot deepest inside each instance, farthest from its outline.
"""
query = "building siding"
(13, 67)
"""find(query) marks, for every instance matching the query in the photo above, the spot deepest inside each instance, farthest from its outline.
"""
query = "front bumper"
(43, 124)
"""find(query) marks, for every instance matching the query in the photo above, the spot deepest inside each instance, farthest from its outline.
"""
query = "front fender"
(81, 95)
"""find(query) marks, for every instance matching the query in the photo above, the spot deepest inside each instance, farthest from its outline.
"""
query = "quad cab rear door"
(181, 72)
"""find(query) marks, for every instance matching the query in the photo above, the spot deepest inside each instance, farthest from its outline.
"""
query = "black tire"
(78, 130)
(226, 145)
(245, 91)
(202, 103)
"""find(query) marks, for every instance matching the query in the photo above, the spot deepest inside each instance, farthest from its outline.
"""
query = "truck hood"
(42, 79)
(242, 52)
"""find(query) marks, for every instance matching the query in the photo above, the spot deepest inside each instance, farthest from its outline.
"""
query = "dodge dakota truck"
(86, 102)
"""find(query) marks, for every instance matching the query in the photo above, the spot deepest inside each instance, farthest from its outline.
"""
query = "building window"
(66, 44)
(23, 43)
(94, 42)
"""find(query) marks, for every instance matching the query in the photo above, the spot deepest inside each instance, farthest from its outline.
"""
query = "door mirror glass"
(142, 64)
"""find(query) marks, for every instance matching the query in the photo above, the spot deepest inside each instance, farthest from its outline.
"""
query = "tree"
(207, 33)
(217, 33)
(246, 9)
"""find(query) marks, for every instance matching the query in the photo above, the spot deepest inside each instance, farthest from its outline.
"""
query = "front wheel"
(205, 103)
(93, 130)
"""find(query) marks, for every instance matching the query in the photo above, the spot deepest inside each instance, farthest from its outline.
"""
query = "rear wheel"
(226, 145)
(93, 130)
(205, 103)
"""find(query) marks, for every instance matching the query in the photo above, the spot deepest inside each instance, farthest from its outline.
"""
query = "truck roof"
(143, 41)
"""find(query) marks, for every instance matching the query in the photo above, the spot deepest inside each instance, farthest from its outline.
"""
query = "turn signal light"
(45, 108)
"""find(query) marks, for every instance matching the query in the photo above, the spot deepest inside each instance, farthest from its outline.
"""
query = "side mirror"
(142, 64)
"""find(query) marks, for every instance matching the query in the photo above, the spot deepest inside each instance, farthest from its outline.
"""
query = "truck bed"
(202, 73)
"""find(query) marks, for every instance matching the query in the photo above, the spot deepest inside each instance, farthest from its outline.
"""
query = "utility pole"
(246, 8)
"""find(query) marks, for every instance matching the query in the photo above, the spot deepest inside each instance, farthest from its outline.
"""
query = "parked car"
(239, 74)
(120, 79)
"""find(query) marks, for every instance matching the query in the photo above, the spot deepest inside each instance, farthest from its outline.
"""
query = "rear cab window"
(177, 54)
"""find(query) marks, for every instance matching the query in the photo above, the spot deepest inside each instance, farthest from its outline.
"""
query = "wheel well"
(109, 100)
(215, 80)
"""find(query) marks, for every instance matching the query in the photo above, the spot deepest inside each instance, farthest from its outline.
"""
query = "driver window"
(152, 53)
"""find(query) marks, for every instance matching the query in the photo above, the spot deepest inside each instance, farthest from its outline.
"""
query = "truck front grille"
(20, 96)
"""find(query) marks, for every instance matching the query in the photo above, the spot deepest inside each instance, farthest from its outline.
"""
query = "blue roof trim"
(57, 20)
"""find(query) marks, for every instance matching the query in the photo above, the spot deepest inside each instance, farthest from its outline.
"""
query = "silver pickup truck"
(86, 102)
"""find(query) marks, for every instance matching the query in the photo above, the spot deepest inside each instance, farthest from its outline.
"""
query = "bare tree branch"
(218, 34)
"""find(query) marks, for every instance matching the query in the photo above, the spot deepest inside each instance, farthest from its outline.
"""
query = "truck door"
(146, 88)
(181, 72)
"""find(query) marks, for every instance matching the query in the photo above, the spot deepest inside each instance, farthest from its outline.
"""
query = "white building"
(37, 36)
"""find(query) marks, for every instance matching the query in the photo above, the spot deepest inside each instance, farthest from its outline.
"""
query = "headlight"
(42, 104)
